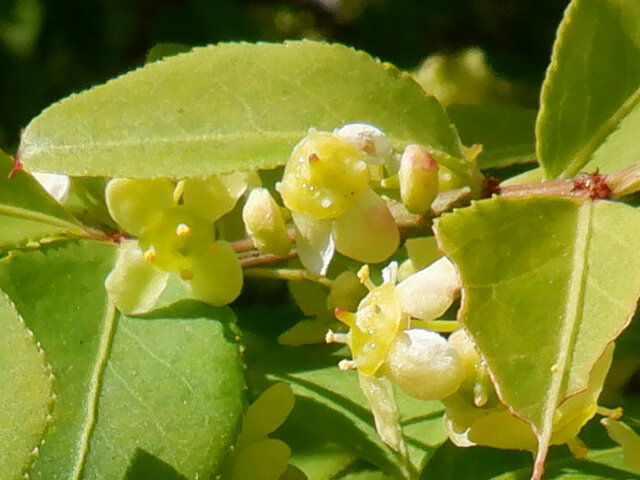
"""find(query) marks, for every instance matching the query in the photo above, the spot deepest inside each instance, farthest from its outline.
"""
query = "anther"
(150, 254)
(183, 230)
(346, 365)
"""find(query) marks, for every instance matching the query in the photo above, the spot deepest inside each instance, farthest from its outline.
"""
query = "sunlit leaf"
(226, 107)
(26, 394)
(578, 258)
(27, 212)
(589, 112)
(170, 385)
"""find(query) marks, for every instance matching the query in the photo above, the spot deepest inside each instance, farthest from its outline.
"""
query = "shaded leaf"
(227, 107)
(331, 408)
(170, 385)
(506, 133)
(26, 394)
(589, 112)
(27, 212)
(145, 467)
(481, 463)
(578, 257)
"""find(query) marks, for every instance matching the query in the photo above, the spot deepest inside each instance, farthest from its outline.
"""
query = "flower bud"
(428, 293)
(423, 365)
(418, 176)
(264, 223)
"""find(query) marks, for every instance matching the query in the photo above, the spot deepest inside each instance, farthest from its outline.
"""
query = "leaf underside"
(578, 258)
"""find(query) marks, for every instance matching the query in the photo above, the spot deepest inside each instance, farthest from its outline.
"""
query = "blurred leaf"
(226, 107)
(170, 385)
(506, 133)
(27, 212)
(26, 394)
(579, 257)
(629, 440)
(331, 408)
(589, 113)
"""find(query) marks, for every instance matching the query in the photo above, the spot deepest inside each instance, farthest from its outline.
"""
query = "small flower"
(175, 236)
(326, 187)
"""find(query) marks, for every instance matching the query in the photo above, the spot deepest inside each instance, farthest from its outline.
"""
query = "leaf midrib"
(582, 157)
(102, 356)
(40, 217)
(573, 313)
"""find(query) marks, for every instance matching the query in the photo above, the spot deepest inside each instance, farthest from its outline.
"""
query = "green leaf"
(589, 112)
(228, 107)
(331, 408)
(27, 212)
(506, 133)
(481, 463)
(629, 440)
(578, 257)
(170, 385)
(26, 394)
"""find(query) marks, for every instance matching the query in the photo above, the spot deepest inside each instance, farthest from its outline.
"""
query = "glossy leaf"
(170, 385)
(27, 212)
(26, 394)
(331, 408)
(227, 107)
(589, 112)
(506, 133)
(578, 257)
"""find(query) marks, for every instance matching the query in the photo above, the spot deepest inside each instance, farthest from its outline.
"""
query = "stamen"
(345, 316)
(183, 230)
(186, 274)
(363, 276)
(346, 365)
(150, 254)
(333, 337)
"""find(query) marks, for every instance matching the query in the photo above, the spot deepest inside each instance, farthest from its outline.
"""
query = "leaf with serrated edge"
(578, 257)
(590, 111)
(229, 107)
(169, 385)
(26, 394)
(27, 212)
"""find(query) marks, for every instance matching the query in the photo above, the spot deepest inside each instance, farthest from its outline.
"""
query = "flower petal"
(134, 285)
(367, 232)
(134, 203)
(314, 242)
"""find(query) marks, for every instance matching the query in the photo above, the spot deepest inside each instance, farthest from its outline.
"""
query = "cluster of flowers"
(326, 188)
(330, 192)
(390, 340)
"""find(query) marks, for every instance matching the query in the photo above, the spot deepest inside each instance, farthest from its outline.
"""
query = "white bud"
(57, 185)
(367, 138)
(427, 294)
(264, 223)
(423, 365)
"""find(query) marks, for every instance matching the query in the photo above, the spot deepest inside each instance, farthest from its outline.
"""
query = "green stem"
(292, 274)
